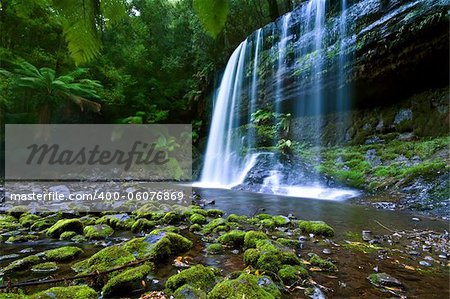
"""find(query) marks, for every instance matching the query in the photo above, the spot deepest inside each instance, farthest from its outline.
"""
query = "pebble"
(425, 264)
(415, 219)
(443, 256)
(366, 235)
(326, 251)
(303, 238)
(27, 250)
(413, 252)
(235, 251)
(428, 258)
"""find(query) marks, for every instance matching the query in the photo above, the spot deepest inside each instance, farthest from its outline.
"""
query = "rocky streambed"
(264, 247)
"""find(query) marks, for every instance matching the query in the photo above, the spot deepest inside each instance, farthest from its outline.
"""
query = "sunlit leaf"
(213, 14)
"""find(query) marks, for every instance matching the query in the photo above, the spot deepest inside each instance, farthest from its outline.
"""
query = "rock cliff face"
(393, 49)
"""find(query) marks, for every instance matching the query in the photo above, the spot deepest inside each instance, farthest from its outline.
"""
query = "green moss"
(62, 254)
(117, 222)
(158, 245)
(67, 235)
(28, 220)
(245, 286)
(268, 223)
(195, 227)
(362, 246)
(288, 242)
(45, 267)
(189, 292)
(8, 223)
(263, 216)
(198, 276)
(214, 213)
(21, 238)
(251, 237)
(172, 217)
(23, 263)
(197, 219)
(142, 224)
(251, 256)
(280, 220)
(291, 274)
(105, 259)
(126, 281)
(98, 231)
(199, 210)
(236, 218)
(214, 248)
(70, 292)
(65, 225)
(315, 260)
(209, 228)
(232, 238)
(316, 227)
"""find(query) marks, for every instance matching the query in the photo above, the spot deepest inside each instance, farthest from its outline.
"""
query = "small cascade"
(277, 73)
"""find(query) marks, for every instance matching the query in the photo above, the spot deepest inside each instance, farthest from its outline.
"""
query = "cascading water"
(254, 100)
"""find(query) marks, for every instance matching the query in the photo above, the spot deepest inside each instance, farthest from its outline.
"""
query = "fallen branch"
(385, 227)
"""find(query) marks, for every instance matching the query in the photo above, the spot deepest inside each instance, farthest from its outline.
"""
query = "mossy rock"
(246, 286)
(70, 292)
(214, 213)
(291, 274)
(198, 277)
(62, 254)
(213, 224)
(251, 256)
(252, 236)
(22, 238)
(236, 218)
(195, 228)
(189, 292)
(23, 263)
(288, 242)
(67, 235)
(268, 223)
(197, 219)
(232, 238)
(65, 225)
(198, 210)
(105, 259)
(263, 216)
(316, 227)
(8, 223)
(142, 224)
(158, 245)
(316, 260)
(28, 219)
(45, 267)
(116, 221)
(98, 231)
(172, 217)
(126, 281)
(214, 248)
(280, 220)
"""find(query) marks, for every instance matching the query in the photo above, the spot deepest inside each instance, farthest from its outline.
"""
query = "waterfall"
(242, 152)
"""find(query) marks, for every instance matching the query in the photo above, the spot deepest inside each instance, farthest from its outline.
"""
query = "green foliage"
(316, 227)
(68, 292)
(213, 14)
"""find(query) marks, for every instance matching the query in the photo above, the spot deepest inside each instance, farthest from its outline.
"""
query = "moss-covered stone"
(172, 217)
(197, 219)
(65, 225)
(198, 276)
(245, 286)
(280, 220)
(28, 219)
(268, 223)
(70, 292)
(263, 216)
(116, 221)
(158, 245)
(213, 224)
(98, 231)
(105, 259)
(214, 213)
(67, 235)
(45, 267)
(142, 224)
(316, 260)
(195, 227)
(236, 218)
(8, 223)
(291, 274)
(232, 238)
(316, 227)
(126, 281)
(251, 237)
(251, 256)
(22, 238)
(62, 254)
(214, 248)
(288, 242)
(189, 292)
(23, 263)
